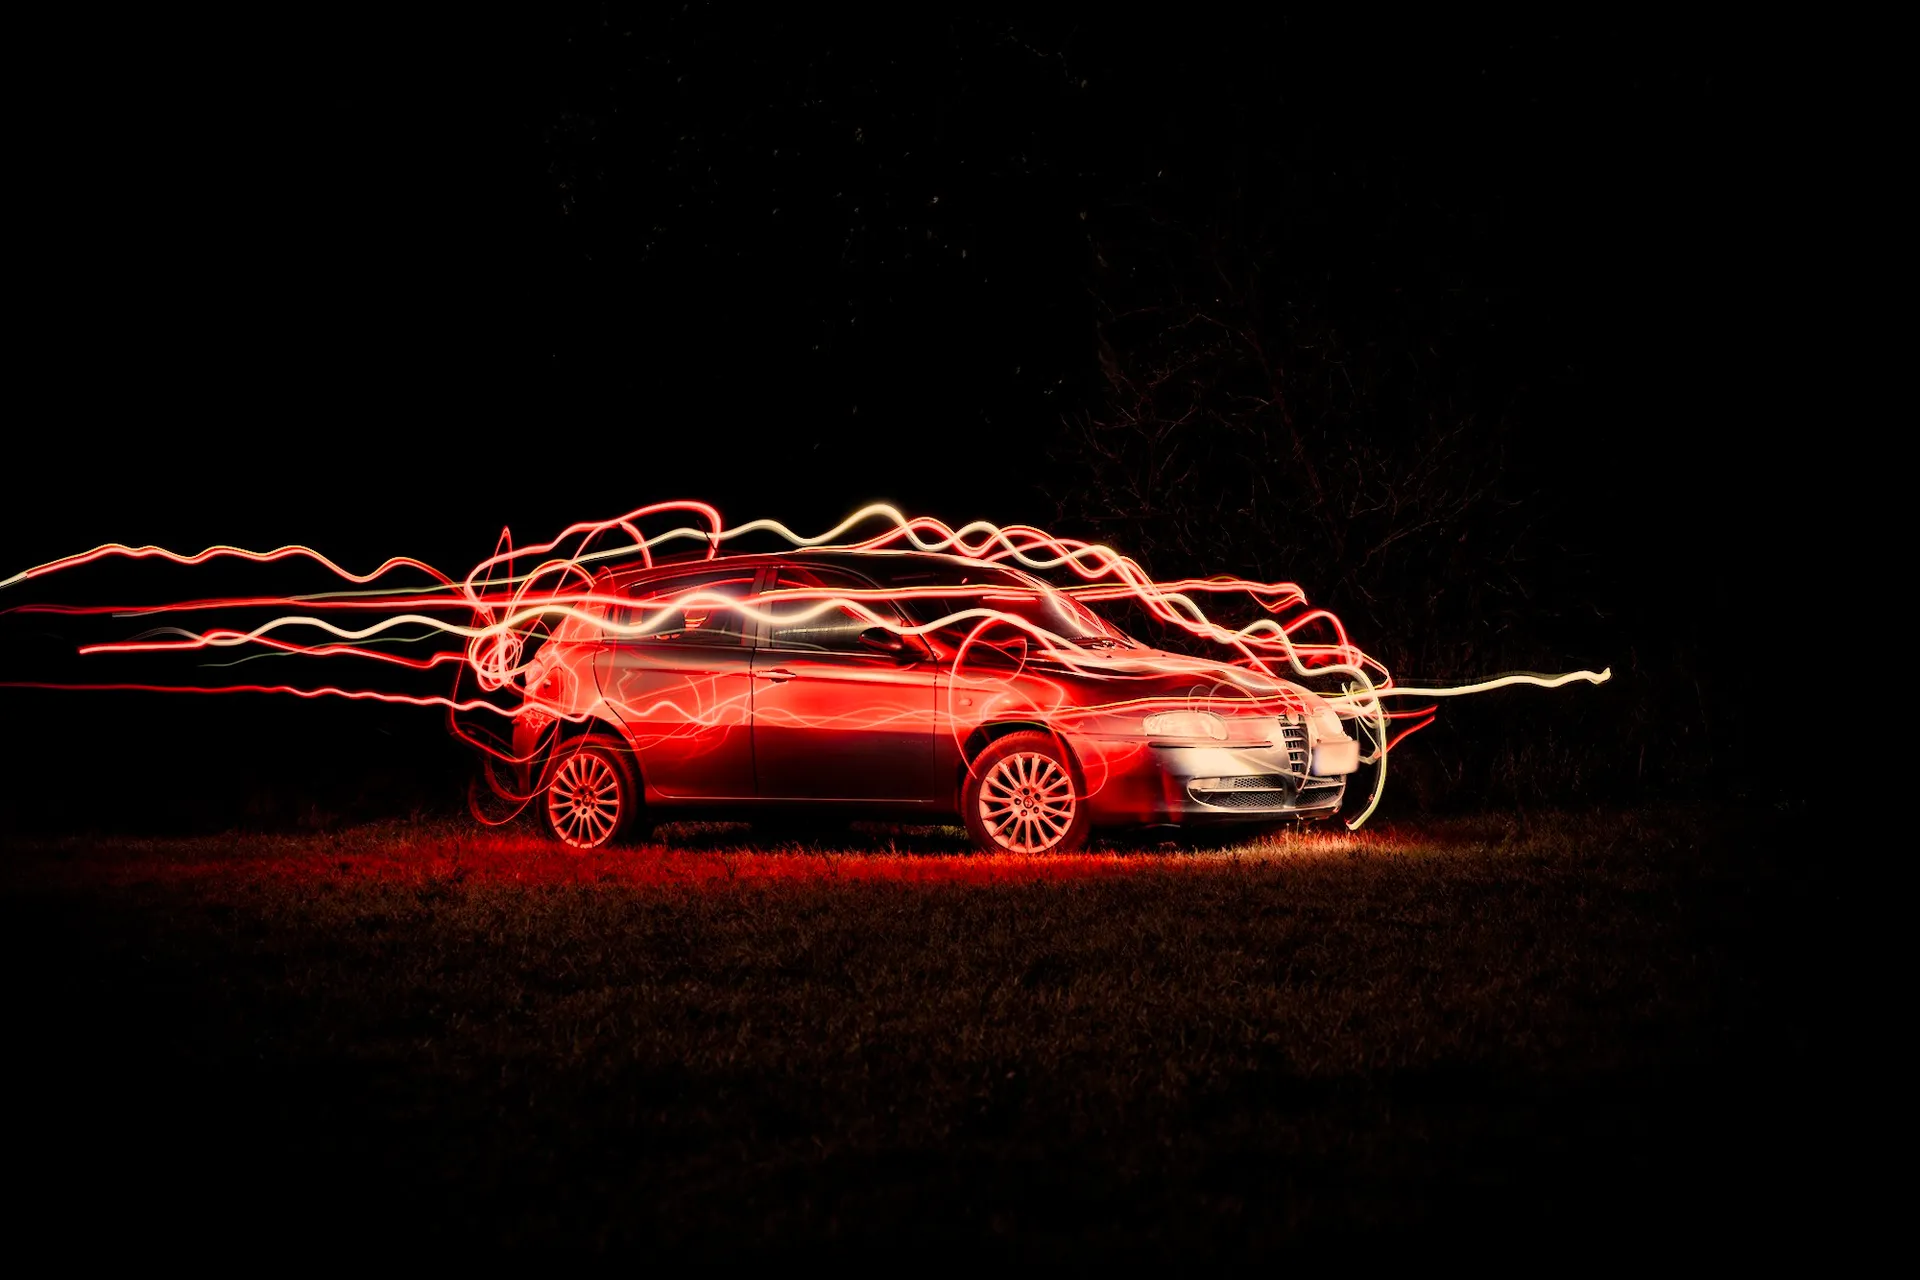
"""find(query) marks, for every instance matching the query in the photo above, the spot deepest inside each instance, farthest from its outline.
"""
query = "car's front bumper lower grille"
(1251, 791)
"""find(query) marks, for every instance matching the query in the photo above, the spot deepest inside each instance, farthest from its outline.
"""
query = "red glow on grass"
(697, 858)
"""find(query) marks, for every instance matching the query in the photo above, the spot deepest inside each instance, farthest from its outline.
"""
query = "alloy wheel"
(583, 800)
(1027, 803)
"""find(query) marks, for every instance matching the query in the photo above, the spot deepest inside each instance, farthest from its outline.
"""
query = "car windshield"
(1005, 591)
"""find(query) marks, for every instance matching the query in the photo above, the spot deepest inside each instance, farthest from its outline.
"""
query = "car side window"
(663, 613)
(803, 624)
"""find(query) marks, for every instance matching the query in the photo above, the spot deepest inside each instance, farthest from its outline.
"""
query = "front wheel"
(590, 795)
(1020, 797)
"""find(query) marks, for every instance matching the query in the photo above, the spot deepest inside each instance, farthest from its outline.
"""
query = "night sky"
(384, 291)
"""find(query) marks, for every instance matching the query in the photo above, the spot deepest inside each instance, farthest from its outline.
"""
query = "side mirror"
(881, 640)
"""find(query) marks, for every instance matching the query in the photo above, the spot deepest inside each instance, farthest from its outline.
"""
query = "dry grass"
(1491, 1026)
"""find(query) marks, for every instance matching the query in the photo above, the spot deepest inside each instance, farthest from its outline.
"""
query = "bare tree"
(1236, 428)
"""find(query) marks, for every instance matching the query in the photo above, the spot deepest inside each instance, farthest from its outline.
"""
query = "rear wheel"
(492, 798)
(1020, 797)
(590, 797)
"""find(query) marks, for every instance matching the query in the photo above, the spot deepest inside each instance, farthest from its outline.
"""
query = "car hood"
(1113, 674)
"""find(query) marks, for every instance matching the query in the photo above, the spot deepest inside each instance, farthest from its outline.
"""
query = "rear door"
(834, 719)
(680, 680)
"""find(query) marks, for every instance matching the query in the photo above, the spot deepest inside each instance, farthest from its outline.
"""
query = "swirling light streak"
(323, 691)
(570, 591)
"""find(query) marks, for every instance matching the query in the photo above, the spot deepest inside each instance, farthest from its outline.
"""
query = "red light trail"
(499, 625)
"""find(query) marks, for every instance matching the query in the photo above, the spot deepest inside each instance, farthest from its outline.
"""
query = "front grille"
(1246, 791)
(1244, 799)
(1293, 736)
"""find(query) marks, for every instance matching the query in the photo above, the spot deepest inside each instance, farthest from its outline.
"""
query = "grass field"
(1597, 1028)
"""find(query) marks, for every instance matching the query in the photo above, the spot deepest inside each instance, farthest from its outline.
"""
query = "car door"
(681, 682)
(835, 718)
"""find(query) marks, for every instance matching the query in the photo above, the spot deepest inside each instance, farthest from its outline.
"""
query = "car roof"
(865, 563)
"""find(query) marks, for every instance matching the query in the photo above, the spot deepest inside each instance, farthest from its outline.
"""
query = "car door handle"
(776, 675)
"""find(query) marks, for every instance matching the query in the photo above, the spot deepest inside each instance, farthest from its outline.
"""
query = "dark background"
(384, 291)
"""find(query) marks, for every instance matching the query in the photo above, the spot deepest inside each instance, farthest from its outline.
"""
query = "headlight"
(1326, 723)
(1186, 724)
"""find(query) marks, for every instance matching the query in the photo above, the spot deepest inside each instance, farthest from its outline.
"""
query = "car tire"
(491, 802)
(589, 796)
(1021, 796)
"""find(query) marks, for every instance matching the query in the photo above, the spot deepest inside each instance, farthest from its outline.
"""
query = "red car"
(902, 686)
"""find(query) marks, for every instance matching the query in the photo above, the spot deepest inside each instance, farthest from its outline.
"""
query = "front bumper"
(1129, 782)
